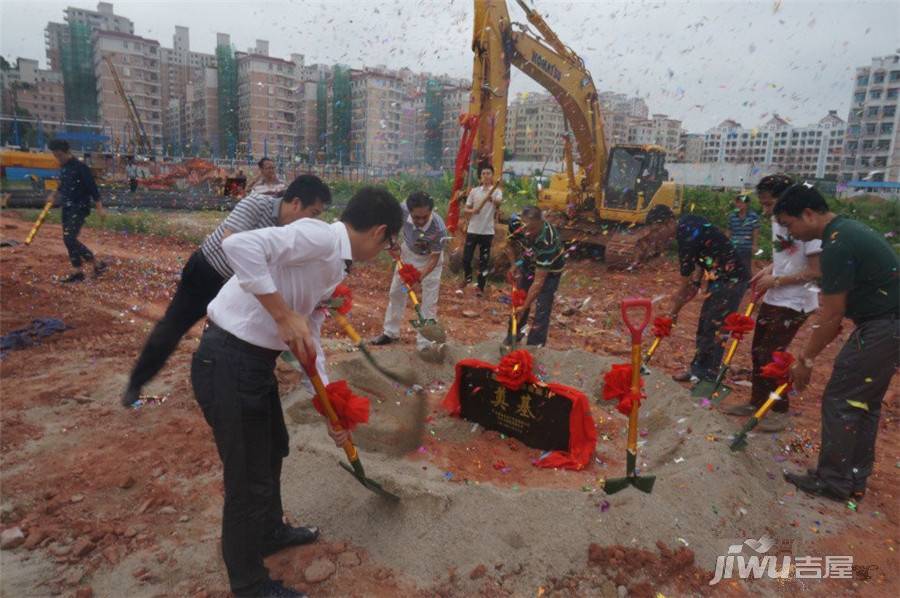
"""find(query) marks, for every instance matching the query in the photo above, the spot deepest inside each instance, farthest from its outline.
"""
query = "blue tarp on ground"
(30, 335)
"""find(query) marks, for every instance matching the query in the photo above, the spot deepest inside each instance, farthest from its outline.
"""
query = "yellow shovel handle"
(39, 222)
(409, 291)
(734, 343)
(761, 412)
(349, 330)
(635, 389)
(653, 347)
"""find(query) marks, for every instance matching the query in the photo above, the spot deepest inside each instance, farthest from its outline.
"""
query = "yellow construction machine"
(620, 200)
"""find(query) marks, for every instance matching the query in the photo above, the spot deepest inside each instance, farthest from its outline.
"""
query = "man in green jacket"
(859, 282)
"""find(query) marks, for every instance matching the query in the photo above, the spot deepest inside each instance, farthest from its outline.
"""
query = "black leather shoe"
(813, 485)
(131, 396)
(859, 492)
(273, 589)
(286, 536)
(73, 277)
(382, 340)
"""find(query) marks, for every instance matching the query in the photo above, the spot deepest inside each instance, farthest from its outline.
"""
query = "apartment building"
(690, 148)
(456, 102)
(178, 67)
(204, 114)
(39, 92)
(57, 35)
(136, 60)
(871, 149)
(812, 151)
(268, 96)
(619, 113)
(376, 96)
(535, 127)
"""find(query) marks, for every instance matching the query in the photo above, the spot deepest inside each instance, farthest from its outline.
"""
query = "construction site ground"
(115, 502)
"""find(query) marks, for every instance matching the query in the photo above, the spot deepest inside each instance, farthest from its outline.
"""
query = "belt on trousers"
(241, 345)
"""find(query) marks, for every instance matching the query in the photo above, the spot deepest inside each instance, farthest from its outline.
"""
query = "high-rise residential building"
(33, 93)
(376, 96)
(204, 116)
(619, 113)
(136, 61)
(268, 91)
(872, 138)
(57, 34)
(535, 127)
(456, 102)
(690, 148)
(812, 151)
(178, 67)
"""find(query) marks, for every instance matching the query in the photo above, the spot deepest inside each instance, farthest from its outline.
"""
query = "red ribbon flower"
(518, 297)
(341, 299)
(350, 408)
(779, 368)
(617, 385)
(738, 325)
(662, 326)
(515, 369)
(409, 274)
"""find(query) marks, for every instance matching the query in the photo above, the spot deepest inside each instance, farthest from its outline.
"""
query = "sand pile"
(705, 498)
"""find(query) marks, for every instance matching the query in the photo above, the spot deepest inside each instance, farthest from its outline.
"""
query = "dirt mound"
(705, 495)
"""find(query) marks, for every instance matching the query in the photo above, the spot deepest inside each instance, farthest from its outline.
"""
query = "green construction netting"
(79, 84)
(228, 105)
(341, 115)
(434, 117)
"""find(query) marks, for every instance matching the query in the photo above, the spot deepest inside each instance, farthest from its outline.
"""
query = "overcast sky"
(701, 62)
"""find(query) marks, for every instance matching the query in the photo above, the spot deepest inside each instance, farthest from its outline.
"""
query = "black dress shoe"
(272, 589)
(99, 268)
(382, 340)
(286, 536)
(131, 396)
(813, 485)
(73, 277)
(859, 492)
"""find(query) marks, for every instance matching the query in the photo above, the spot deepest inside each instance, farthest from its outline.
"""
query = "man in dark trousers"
(538, 258)
(860, 281)
(282, 277)
(481, 211)
(705, 253)
(207, 270)
(790, 296)
(76, 191)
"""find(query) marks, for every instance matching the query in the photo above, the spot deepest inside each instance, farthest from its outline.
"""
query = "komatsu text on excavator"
(621, 199)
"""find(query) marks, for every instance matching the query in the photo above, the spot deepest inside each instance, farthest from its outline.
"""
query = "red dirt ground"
(101, 491)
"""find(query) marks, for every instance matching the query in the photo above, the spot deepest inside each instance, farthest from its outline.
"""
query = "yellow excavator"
(619, 200)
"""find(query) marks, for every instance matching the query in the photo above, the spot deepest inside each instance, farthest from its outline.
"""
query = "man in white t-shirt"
(266, 182)
(481, 211)
(790, 296)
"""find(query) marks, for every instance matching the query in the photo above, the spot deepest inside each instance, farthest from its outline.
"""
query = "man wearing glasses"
(422, 244)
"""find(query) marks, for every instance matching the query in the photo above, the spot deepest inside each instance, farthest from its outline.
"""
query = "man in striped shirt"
(208, 269)
(743, 230)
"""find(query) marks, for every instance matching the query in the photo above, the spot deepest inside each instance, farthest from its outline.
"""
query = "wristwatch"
(808, 363)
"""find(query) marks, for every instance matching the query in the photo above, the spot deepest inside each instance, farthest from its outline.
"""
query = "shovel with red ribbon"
(737, 325)
(778, 369)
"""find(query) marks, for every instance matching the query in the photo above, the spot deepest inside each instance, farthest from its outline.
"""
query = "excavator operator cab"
(634, 175)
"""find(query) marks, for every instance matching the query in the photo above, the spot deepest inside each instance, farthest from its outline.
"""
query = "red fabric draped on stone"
(662, 326)
(409, 274)
(514, 370)
(779, 368)
(342, 299)
(738, 325)
(617, 386)
(582, 429)
(351, 409)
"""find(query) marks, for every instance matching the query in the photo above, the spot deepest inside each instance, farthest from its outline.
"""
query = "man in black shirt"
(702, 244)
(76, 190)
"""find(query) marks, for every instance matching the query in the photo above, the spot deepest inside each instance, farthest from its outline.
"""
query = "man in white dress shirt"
(481, 211)
(281, 278)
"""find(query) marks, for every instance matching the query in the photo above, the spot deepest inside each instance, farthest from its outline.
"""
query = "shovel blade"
(616, 485)
(644, 483)
(430, 329)
(370, 484)
(720, 394)
(704, 388)
(739, 443)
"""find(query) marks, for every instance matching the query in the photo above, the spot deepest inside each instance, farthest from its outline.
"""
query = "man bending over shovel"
(281, 277)
(422, 246)
(704, 252)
